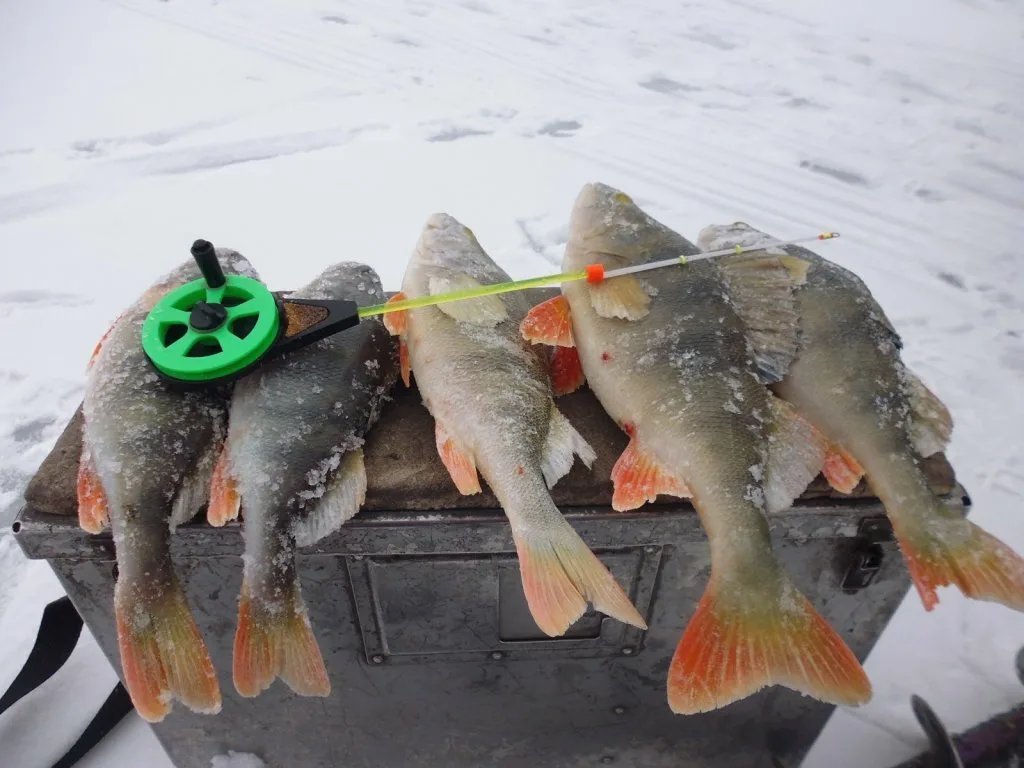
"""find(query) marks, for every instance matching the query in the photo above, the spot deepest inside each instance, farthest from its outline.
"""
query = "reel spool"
(220, 327)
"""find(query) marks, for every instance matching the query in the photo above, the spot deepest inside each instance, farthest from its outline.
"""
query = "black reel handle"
(206, 259)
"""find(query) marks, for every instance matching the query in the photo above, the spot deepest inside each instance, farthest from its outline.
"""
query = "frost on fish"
(686, 381)
(490, 395)
(148, 451)
(880, 419)
(293, 466)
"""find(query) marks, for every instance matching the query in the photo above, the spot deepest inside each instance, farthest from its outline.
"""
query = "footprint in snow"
(560, 129)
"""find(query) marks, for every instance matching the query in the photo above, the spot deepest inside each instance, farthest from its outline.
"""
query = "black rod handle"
(206, 259)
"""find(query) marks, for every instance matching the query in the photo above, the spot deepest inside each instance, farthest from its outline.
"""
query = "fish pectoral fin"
(623, 297)
(561, 575)
(740, 642)
(946, 548)
(638, 477)
(796, 454)
(562, 445)
(93, 513)
(842, 471)
(397, 322)
(931, 424)
(340, 502)
(796, 267)
(486, 311)
(225, 501)
(277, 642)
(761, 291)
(459, 463)
(550, 322)
(162, 653)
(566, 370)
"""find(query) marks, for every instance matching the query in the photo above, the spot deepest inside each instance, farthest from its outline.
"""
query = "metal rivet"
(627, 651)
(607, 759)
(497, 655)
(378, 659)
(357, 557)
(619, 710)
(651, 550)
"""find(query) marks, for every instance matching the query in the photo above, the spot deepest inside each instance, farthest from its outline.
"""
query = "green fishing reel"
(220, 327)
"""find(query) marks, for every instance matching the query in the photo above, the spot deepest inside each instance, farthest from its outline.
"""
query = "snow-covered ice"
(237, 760)
(303, 132)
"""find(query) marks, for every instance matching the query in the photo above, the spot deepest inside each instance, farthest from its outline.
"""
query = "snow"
(316, 130)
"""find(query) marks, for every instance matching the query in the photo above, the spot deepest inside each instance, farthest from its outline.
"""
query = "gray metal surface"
(433, 658)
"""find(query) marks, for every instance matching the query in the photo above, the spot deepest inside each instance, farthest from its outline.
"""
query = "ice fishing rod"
(219, 327)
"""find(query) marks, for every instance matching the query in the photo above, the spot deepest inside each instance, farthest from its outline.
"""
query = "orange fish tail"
(735, 645)
(277, 642)
(561, 575)
(162, 654)
(955, 551)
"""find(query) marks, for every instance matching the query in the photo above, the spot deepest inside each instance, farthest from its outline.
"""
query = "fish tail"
(162, 652)
(739, 642)
(276, 640)
(561, 575)
(950, 549)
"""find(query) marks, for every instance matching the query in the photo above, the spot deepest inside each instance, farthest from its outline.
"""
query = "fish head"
(348, 280)
(739, 233)
(607, 227)
(447, 253)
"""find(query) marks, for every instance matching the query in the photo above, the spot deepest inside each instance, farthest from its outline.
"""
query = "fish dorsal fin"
(339, 504)
(796, 453)
(931, 424)
(623, 297)
(638, 477)
(563, 444)
(487, 311)
(761, 291)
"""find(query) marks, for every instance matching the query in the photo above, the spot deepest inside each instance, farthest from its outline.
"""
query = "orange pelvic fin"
(561, 575)
(100, 343)
(397, 323)
(403, 360)
(163, 655)
(277, 643)
(737, 644)
(93, 513)
(623, 297)
(953, 550)
(224, 499)
(566, 370)
(460, 465)
(842, 471)
(639, 478)
(550, 322)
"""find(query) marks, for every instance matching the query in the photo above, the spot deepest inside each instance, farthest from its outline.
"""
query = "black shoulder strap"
(57, 637)
(58, 634)
(117, 705)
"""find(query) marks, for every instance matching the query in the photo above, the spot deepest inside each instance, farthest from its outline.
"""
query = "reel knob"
(212, 329)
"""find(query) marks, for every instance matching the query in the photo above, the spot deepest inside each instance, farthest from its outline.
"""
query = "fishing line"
(592, 273)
